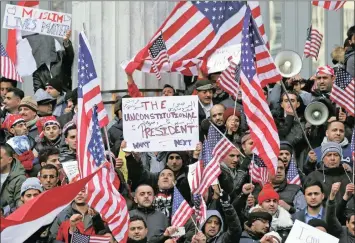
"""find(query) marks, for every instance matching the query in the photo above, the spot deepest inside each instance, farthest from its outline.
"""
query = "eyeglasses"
(174, 157)
(48, 176)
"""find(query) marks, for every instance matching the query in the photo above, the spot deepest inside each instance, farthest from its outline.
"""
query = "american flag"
(259, 118)
(343, 90)
(200, 208)
(159, 55)
(181, 211)
(313, 43)
(330, 5)
(228, 80)
(80, 238)
(192, 32)
(352, 146)
(102, 193)
(292, 174)
(8, 69)
(258, 171)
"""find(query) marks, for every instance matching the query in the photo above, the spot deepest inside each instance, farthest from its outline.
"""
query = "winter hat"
(31, 183)
(118, 105)
(331, 147)
(43, 98)
(11, 120)
(246, 137)
(276, 237)
(254, 216)
(266, 193)
(284, 145)
(29, 102)
(56, 82)
(42, 122)
(230, 112)
(318, 223)
(202, 85)
(328, 70)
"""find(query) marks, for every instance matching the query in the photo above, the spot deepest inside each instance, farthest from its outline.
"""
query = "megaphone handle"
(295, 113)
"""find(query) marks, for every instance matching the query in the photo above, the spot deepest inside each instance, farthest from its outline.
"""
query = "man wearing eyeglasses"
(49, 176)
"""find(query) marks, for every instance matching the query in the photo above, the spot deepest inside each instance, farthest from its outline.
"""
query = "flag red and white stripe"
(8, 69)
(227, 80)
(330, 5)
(313, 43)
(39, 212)
(256, 13)
(258, 171)
(181, 210)
(260, 121)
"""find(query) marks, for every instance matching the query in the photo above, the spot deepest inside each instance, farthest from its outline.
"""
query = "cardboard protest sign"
(218, 61)
(35, 20)
(168, 123)
(71, 169)
(302, 232)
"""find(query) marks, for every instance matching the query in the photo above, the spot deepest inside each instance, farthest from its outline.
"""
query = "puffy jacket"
(11, 189)
(156, 221)
(62, 66)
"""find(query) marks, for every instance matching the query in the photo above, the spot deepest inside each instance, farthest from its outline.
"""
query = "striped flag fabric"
(259, 119)
(330, 5)
(200, 208)
(102, 192)
(181, 211)
(228, 79)
(258, 171)
(352, 146)
(256, 13)
(192, 32)
(80, 238)
(159, 55)
(89, 92)
(343, 90)
(40, 211)
(293, 176)
(313, 43)
(8, 69)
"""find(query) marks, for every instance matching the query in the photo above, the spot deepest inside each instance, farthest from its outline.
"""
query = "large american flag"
(228, 80)
(343, 90)
(159, 55)
(259, 118)
(181, 211)
(313, 43)
(102, 194)
(200, 208)
(293, 176)
(258, 171)
(192, 32)
(8, 69)
(330, 5)
(80, 238)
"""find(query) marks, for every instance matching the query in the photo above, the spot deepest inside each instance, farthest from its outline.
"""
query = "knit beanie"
(230, 112)
(331, 147)
(284, 145)
(56, 82)
(318, 223)
(29, 102)
(267, 193)
(31, 183)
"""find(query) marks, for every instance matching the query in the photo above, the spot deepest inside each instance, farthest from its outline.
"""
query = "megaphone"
(316, 113)
(288, 63)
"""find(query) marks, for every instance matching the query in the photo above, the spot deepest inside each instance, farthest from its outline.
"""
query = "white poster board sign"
(168, 123)
(218, 61)
(71, 169)
(302, 232)
(36, 20)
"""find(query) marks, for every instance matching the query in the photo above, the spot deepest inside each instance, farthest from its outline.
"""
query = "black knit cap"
(56, 82)
(318, 223)
(284, 145)
(253, 216)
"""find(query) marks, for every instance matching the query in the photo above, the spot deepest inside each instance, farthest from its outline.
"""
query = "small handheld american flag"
(181, 211)
(8, 69)
(229, 79)
(313, 43)
(330, 5)
(258, 171)
(159, 55)
(80, 238)
(293, 176)
(200, 208)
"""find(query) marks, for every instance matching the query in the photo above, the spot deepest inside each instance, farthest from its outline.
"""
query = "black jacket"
(62, 66)
(115, 136)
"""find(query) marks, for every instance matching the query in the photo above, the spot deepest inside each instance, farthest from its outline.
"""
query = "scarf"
(163, 202)
(26, 160)
(31, 123)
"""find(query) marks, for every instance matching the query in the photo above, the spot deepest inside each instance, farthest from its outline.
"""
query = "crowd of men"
(39, 135)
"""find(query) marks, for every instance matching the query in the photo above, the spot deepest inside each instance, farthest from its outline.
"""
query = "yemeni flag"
(40, 211)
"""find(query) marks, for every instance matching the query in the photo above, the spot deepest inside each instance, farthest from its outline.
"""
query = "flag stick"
(226, 138)
(295, 113)
(193, 221)
(108, 145)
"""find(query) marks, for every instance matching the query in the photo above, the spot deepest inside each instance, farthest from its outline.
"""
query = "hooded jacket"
(234, 230)
(11, 189)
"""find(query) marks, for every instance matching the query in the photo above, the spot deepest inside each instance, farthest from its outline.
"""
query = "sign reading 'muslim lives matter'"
(168, 123)
(35, 20)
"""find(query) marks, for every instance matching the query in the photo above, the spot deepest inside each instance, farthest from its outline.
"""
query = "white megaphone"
(288, 63)
(316, 113)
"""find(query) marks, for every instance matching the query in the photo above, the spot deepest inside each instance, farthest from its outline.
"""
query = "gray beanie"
(331, 147)
(31, 183)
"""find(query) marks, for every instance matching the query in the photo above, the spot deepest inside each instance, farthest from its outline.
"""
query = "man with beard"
(15, 125)
(137, 230)
(314, 195)
(204, 92)
(49, 176)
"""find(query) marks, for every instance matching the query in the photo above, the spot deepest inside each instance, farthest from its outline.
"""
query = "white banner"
(218, 61)
(71, 169)
(36, 20)
(168, 123)
(302, 232)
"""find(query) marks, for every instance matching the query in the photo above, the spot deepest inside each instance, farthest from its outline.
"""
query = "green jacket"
(11, 189)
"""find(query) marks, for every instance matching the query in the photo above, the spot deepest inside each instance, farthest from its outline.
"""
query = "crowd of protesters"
(39, 135)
